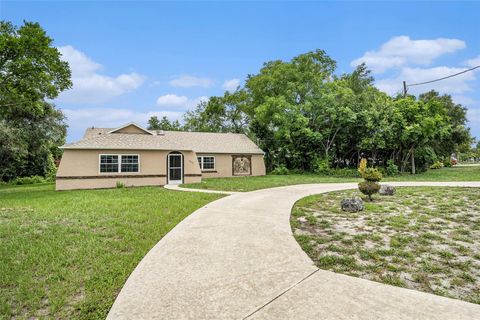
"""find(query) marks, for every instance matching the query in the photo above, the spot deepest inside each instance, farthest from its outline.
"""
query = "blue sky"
(131, 60)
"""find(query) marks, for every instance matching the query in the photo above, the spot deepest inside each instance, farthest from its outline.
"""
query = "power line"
(406, 86)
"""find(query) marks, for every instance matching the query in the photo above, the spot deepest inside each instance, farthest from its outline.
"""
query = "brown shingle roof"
(200, 142)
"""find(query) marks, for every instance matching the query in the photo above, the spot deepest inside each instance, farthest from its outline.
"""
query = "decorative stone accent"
(241, 165)
(387, 190)
(352, 204)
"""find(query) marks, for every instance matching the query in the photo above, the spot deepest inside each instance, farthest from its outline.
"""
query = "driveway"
(236, 258)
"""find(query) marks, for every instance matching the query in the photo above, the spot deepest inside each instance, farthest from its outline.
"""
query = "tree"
(282, 96)
(457, 138)
(305, 118)
(31, 73)
(163, 124)
(31, 70)
(220, 114)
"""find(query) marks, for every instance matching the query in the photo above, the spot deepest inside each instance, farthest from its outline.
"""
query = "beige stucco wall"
(79, 169)
(69, 184)
(192, 172)
(223, 165)
(258, 165)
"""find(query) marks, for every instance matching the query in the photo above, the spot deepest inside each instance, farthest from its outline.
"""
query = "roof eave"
(120, 148)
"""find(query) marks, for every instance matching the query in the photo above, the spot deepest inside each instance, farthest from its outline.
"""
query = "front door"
(175, 168)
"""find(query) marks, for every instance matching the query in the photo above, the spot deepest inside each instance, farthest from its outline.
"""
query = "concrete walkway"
(236, 258)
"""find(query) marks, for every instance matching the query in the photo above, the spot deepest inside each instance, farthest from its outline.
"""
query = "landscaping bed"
(66, 255)
(422, 238)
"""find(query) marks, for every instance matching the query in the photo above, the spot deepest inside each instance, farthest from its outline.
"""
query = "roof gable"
(131, 128)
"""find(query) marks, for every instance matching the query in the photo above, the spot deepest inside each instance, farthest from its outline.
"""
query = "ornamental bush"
(362, 166)
(372, 174)
(369, 188)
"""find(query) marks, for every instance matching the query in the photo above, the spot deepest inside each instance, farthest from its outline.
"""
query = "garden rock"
(387, 190)
(352, 204)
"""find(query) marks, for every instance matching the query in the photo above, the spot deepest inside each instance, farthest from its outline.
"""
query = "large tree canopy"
(304, 117)
(31, 74)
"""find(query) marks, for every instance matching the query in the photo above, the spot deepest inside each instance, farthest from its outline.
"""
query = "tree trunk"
(413, 161)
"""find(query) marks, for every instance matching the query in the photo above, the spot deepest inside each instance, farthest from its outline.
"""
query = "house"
(136, 156)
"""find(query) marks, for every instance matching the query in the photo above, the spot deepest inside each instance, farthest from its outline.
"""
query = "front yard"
(471, 173)
(66, 255)
(426, 239)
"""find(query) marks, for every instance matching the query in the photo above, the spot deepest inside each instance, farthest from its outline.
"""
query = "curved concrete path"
(236, 258)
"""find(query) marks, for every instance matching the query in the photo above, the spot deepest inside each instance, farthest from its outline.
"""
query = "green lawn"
(466, 173)
(262, 182)
(427, 239)
(66, 255)
(269, 181)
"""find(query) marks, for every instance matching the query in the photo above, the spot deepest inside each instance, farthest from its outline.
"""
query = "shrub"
(322, 166)
(362, 166)
(51, 169)
(120, 185)
(28, 180)
(372, 174)
(392, 168)
(280, 170)
(436, 165)
(447, 163)
(369, 188)
(423, 158)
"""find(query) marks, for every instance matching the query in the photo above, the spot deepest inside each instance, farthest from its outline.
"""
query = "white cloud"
(187, 81)
(473, 116)
(231, 85)
(455, 85)
(464, 100)
(89, 86)
(473, 62)
(80, 64)
(172, 101)
(400, 51)
(80, 119)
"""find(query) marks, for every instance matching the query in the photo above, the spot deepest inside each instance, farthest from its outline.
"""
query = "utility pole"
(405, 89)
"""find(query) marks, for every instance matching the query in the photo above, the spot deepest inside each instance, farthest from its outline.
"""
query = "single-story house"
(136, 156)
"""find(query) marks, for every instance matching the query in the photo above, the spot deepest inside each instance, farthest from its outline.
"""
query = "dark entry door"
(175, 168)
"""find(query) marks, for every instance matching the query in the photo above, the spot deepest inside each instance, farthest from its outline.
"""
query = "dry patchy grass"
(426, 239)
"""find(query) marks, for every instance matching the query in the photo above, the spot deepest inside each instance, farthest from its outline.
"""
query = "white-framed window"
(119, 163)
(206, 162)
(129, 163)
(108, 163)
